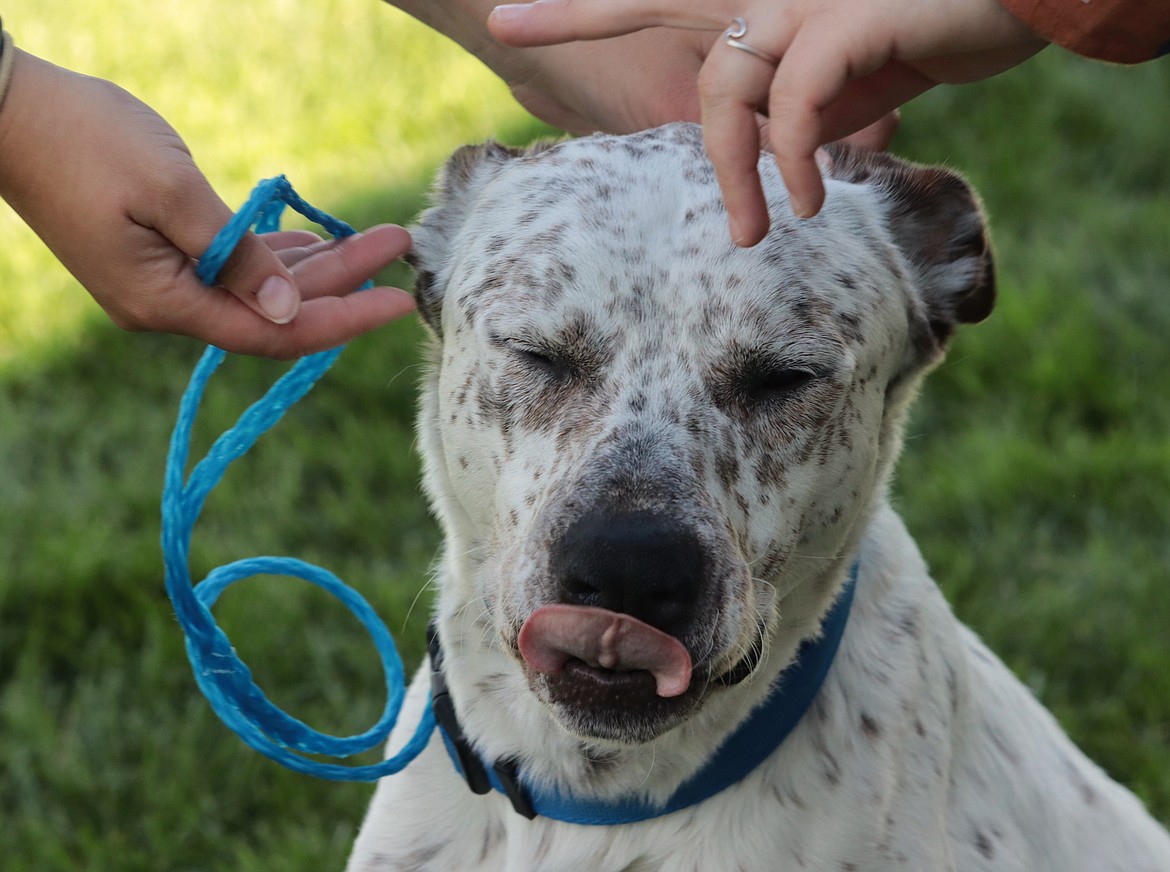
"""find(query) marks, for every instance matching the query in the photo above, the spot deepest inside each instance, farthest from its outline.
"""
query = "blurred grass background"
(1036, 476)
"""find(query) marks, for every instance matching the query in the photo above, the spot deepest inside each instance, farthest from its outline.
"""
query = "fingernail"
(800, 208)
(278, 299)
(509, 11)
(736, 232)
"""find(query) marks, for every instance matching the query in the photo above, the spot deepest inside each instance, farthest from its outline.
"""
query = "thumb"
(192, 217)
(257, 276)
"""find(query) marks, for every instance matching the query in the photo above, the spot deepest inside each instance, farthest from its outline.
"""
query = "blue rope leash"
(223, 677)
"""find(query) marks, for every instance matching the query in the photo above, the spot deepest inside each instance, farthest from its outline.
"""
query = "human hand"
(112, 190)
(841, 66)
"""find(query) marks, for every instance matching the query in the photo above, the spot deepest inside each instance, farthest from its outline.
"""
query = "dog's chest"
(781, 827)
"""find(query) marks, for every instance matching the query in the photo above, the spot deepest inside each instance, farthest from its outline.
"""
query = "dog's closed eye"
(755, 384)
(771, 384)
(546, 362)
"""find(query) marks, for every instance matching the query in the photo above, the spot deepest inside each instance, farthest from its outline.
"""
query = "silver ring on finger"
(734, 35)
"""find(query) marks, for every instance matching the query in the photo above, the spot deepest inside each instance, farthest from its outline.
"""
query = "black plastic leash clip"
(470, 765)
(508, 772)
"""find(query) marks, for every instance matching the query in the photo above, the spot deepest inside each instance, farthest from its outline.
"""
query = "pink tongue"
(555, 634)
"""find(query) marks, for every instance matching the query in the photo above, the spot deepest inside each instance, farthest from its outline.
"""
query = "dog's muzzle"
(614, 652)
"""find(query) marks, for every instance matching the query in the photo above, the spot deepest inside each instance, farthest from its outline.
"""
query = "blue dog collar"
(741, 752)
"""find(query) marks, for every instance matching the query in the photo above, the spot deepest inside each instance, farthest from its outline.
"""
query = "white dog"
(660, 463)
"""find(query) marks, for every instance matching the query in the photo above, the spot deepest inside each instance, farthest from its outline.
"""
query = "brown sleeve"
(1124, 31)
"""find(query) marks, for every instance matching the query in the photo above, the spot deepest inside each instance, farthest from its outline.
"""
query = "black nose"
(639, 563)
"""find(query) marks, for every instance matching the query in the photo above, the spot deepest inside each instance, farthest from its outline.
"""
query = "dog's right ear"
(455, 191)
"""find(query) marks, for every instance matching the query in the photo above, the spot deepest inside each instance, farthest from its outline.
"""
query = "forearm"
(1124, 31)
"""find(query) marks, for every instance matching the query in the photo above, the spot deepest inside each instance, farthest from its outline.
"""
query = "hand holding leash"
(112, 189)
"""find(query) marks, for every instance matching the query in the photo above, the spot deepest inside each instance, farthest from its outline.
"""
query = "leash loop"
(223, 677)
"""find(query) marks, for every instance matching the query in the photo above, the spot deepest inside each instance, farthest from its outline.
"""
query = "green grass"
(1036, 476)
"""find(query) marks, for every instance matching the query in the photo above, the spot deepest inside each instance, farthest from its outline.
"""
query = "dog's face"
(650, 449)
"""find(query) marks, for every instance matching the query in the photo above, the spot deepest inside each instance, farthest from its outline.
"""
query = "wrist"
(30, 157)
(7, 61)
(464, 21)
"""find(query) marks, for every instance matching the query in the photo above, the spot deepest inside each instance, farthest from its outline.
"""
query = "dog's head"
(653, 452)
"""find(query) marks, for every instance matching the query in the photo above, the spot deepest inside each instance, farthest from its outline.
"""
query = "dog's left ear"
(937, 221)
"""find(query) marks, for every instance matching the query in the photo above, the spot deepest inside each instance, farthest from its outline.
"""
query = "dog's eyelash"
(777, 383)
(545, 362)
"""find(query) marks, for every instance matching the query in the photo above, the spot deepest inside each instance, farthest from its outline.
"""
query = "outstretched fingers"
(332, 312)
(219, 318)
(338, 266)
(323, 323)
(326, 276)
(548, 22)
